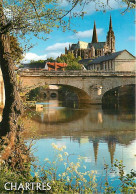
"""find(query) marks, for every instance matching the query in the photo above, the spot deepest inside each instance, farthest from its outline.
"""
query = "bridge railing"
(43, 72)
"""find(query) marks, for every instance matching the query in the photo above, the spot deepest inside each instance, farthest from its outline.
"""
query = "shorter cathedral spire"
(94, 38)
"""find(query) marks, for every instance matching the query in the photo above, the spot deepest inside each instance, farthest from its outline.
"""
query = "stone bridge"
(89, 86)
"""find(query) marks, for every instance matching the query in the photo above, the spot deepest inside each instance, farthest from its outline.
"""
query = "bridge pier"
(96, 94)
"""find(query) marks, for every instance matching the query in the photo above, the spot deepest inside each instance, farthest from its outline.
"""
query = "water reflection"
(95, 132)
(91, 125)
(100, 134)
(56, 121)
(54, 112)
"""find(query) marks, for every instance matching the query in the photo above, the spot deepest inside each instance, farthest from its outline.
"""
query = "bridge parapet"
(80, 73)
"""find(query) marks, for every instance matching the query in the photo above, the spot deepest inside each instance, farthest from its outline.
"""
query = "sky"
(123, 27)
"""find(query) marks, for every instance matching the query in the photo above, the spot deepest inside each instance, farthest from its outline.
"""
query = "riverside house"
(118, 61)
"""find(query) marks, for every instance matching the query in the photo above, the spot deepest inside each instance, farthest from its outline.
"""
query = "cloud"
(57, 46)
(86, 34)
(63, 3)
(132, 38)
(54, 54)
(53, 51)
(32, 56)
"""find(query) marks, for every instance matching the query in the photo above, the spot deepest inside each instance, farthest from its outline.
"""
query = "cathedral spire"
(95, 148)
(110, 38)
(110, 25)
(111, 148)
(94, 38)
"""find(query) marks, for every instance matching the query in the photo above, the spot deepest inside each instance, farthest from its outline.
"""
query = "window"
(101, 66)
(111, 65)
(105, 66)
(108, 64)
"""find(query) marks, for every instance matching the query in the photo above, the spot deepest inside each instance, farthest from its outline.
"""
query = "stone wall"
(125, 62)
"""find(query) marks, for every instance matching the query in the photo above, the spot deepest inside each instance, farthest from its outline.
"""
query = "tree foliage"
(38, 16)
(34, 16)
(71, 61)
(50, 59)
(37, 62)
(74, 66)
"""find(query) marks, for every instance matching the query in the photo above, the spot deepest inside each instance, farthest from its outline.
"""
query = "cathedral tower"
(110, 38)
(94, 38)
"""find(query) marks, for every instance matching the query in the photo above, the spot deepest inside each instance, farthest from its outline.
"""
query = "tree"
(38, 16)
(18, 18)
(74, 66)
(71, 61)
(37, 62)
(12, 105)
(34, 64)
(50, 59)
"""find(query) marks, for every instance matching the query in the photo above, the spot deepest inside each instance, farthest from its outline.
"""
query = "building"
(54, 66)
(49, 66)
(94, 49)
(118, 61)
(34, 65)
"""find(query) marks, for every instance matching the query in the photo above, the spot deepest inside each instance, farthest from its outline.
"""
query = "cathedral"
(94, 49)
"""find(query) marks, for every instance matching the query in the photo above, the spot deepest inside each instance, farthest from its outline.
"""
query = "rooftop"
(97, 45)
(34, 65)
(85, 45)
(106, 57)
(85, 62)
(57, 64)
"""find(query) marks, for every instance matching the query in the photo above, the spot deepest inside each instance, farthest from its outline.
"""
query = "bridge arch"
(114, 83)
(83, 96)
(119, 94)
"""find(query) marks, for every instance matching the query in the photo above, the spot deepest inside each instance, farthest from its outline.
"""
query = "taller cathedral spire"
(110, 38)
(94, 38)
(110, 26)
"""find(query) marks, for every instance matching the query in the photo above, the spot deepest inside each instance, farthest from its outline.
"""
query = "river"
(98, 134)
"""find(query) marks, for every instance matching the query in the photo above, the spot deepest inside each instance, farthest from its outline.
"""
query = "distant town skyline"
(123, 26)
